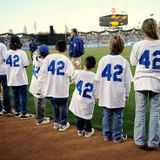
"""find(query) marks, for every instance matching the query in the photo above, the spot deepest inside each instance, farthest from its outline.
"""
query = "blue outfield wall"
(96, 45)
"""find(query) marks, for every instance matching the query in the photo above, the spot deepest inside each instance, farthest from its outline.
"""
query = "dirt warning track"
(23, 140)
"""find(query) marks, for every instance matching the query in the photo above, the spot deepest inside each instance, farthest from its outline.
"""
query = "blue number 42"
(56, 67)
(107, 72)
(13, 61)
(145, 59)
(88, 89)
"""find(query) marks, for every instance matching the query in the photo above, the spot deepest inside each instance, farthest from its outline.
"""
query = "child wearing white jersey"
(39, 99)
(115, 76)
(55, 75)
(145, 56)
(83, 99)
(16, 62)
(5, 106)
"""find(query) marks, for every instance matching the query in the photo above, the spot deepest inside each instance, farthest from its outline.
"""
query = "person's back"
(39, 100)
(114, 76)
(15, 66)
(84, 93)
(4, 89)
(55, 75)
(83, 98)
(16, 62)
(112, 80)
(145, 57)
(3, 53)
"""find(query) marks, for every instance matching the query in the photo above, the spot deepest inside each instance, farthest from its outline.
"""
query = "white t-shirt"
(3, 54)
(55, 73)
(114, 75)
(83, 98)
(37, 65)
(145, 56)
(16, 61)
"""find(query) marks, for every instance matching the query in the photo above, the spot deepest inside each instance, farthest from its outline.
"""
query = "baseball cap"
(44, 50)
(15, 40)
(33, 46)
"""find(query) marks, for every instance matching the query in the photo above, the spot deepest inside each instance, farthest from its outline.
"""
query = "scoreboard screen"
(113, 20)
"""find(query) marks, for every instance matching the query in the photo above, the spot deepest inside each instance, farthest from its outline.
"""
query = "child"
(33, 47)
(55, 75)
(114, 75)
(16, 62)
(5, 106)
(83, 98)
(39, 99)
(1, 101)
(145, 56)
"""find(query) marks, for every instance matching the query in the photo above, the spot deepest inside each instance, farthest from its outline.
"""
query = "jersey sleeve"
(25, 61)
(134, 56)
(128, 74)
(4, 52)
(69, 68)
(42, 77)
(74, 76)
(96, 89)
(128, 78)
(99, 70)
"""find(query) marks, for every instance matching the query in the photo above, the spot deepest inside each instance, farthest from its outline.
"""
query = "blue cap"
(43, 50)
(33, 46)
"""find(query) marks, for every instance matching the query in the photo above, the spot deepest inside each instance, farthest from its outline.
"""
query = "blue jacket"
(76, 48)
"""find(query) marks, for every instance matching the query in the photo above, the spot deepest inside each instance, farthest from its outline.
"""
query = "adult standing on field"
(76, 49)
(3, 81)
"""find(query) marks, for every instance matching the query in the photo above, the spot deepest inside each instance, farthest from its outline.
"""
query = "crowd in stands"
(96, 38)
(90, 39)
(25, 40)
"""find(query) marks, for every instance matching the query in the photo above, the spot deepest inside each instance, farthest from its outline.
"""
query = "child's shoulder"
(18, 51)
(87, 73)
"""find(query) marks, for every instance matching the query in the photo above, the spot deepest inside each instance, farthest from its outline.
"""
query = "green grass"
(97, 118)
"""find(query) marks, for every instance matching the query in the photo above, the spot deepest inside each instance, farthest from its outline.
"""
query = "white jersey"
(145, 56)
(37, 65)
(16, 61)
(83, 98)
(55, 73)
(3, 54)
(114, 75)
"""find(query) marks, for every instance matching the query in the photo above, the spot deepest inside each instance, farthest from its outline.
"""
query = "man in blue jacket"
(76, 49)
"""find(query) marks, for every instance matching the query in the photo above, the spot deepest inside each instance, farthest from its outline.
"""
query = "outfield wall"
(89, 46)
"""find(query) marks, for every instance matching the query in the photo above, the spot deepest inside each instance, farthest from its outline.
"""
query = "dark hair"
(90, 62)
(116, 44)
(74, 30)
(15, 46)
(150, 28)
(15, 43)
(61, 46)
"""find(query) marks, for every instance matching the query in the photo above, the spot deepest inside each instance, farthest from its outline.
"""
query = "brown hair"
(15, 43)
(15, 46)
(150, 28)
(116, 44)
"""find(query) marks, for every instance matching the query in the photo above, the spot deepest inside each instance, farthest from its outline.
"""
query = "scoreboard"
(113, 20)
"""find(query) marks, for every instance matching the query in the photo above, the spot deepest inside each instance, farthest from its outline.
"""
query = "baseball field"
(97, 119)
(24, 140)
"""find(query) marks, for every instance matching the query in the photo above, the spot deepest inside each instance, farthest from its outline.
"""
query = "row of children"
(111, 85)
